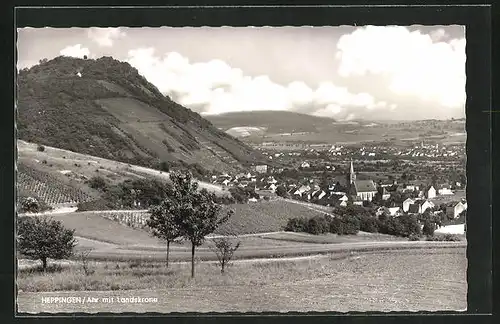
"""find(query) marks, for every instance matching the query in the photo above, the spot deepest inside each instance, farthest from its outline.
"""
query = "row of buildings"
(352, 190)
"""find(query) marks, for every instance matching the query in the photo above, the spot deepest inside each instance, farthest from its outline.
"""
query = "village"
(377, 185)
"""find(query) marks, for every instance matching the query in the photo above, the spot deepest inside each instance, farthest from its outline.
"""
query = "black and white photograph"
(241, 169)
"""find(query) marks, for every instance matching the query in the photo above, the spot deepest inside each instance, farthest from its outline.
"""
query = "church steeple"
(352, 175)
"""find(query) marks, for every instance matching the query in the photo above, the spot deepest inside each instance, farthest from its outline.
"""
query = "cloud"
(416, 64)
(75, 51)
(105, 36)
(214, 87)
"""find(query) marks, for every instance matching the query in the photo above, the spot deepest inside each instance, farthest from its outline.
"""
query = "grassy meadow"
(378, 281)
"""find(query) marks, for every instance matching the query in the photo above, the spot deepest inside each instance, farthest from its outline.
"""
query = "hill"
(105, 108)
(289, 127)
(60, 177)
(269, 122)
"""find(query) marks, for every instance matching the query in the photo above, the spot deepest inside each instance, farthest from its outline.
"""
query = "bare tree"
(224, 249)
(83, 257)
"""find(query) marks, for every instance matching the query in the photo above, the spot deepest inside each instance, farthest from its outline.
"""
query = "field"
(408, 280)
(265, 216)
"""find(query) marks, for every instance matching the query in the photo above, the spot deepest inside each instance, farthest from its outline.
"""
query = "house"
(305, 165)
(226, 182)
(410, 188)
(385, 194)
(344, 204)
(302, 190)
(344, 198)
(261, 168)
(381, 211)
(445, 190)
(271, 180)
(455, 210)
(431, 192)
(252, 199)
(420, 206)
(407, 203)
(394, 211)
(272, 187)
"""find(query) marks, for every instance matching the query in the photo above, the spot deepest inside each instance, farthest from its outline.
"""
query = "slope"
(105, 108)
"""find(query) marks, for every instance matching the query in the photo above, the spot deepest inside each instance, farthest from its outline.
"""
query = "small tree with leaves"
(40, 238)
(196, 213)
(163, 222)
(224, 249)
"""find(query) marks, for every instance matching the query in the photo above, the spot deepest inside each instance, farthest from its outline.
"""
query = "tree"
(40, 238)
(428, 228)
(281, 191)
(224, 250)
(197, 214)
(163, 224)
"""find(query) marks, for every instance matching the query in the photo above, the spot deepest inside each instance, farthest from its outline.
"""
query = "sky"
(344, 72)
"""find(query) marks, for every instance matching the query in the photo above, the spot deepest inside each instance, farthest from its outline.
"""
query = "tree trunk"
(44, 264)
(222, 267)
(168, 251)
(192, 260)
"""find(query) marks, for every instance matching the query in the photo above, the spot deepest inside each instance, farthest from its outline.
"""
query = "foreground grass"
(433, 279)
(108, 275)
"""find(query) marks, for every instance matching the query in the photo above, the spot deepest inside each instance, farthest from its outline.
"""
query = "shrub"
(97, 183)
(317, 225)
(446, 237)
(30, 205)
(266, 198)
(336, 226)
(428, 228)
(413, 237)
(369, 224)
(164, 166)
(351, 225)
(391, 226)
(410, 225)
(40, 148)
(297, 224)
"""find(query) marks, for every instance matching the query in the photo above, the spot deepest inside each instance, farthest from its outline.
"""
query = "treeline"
(129, 194)
(143, 193)
(403, 226)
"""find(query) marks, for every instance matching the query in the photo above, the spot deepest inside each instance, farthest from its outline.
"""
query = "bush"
(266, 198)
(336, 226)
(413, 237)
(428, 228)
(369, 224)
(410, 225)
(317, 225)
(391, 226)
(97, 183)
(164, 166)
(351, 225)
(296, 224)
(445, 237)
(40, 148)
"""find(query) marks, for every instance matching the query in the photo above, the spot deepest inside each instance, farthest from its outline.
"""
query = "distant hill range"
(285, 126)
(105, 108)
(256, 122)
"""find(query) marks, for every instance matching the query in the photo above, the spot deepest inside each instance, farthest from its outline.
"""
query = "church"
(363, 190)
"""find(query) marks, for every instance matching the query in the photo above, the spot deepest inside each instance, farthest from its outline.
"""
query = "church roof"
(365, 186)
